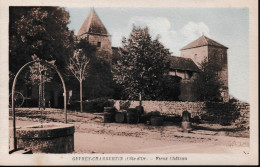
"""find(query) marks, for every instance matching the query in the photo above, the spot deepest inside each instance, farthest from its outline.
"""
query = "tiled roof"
(203, 41)
(92, 24)
(180, 63)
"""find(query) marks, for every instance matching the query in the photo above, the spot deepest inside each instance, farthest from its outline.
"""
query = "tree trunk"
(140, 99)
(81, 107)
(40, 92)
(39, 99)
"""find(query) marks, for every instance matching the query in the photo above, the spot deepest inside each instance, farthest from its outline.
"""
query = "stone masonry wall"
(105, 41)
(166, 107)
(197, 54)
(239, 111)
(220, 55)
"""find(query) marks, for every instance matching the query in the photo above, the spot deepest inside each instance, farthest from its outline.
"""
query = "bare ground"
(94, 136)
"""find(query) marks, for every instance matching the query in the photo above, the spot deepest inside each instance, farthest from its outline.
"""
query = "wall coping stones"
(45, 130)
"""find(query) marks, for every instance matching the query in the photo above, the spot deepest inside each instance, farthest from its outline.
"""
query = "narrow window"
(99, 44)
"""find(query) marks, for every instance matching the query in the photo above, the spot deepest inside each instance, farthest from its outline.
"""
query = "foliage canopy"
(142, 66)
(40, 31)
(207, 83)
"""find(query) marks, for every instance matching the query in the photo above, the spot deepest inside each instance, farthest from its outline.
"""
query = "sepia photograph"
(129, 84)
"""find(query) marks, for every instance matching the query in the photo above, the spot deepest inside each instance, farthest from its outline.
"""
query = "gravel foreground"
(94, 136)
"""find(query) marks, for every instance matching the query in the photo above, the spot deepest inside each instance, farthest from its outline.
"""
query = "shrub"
(223, 113)
(97, 105)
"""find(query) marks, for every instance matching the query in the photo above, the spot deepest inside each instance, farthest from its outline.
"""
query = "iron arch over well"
(13, 90)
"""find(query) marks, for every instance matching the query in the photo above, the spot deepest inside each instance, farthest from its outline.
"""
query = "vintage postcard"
(129, 83)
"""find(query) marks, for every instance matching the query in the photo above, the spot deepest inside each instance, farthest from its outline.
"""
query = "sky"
(177, 27)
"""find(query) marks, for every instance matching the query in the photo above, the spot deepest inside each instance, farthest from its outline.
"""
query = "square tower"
(95, 32)
(206, 48)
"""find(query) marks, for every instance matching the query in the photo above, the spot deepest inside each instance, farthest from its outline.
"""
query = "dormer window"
(98, 44)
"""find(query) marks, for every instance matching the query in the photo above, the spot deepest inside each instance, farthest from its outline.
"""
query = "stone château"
(185, 67)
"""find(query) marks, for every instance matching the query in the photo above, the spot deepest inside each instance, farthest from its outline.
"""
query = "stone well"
(46, 138)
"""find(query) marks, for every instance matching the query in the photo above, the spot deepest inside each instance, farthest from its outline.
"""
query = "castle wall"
(186, 91)
(220, 55)
(215, 54)
(196, 54)
(103, 39)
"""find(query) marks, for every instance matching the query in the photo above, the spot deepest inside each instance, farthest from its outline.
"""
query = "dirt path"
(94, 136)
(102, 143)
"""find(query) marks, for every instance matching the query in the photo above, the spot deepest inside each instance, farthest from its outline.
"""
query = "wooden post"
(140, 99)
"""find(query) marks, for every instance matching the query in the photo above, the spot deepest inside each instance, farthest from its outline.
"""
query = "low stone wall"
(164, 107)
(236, 112)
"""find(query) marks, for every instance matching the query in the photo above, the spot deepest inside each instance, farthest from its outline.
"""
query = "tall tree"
(39, 74)
(100, 79)
(207, 83)
(40, 31)
(142, 67)
(78, 67)
(35, 72)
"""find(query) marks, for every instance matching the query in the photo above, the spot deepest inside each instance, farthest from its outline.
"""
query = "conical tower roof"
(92, 24)
(203, 41)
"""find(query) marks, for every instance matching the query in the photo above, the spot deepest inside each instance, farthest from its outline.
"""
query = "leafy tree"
(78, 67)
(142, 66)
(36, 69)
(172, 88)
(40, 31)
(100, 79)
(207, 83)
(39, 74)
